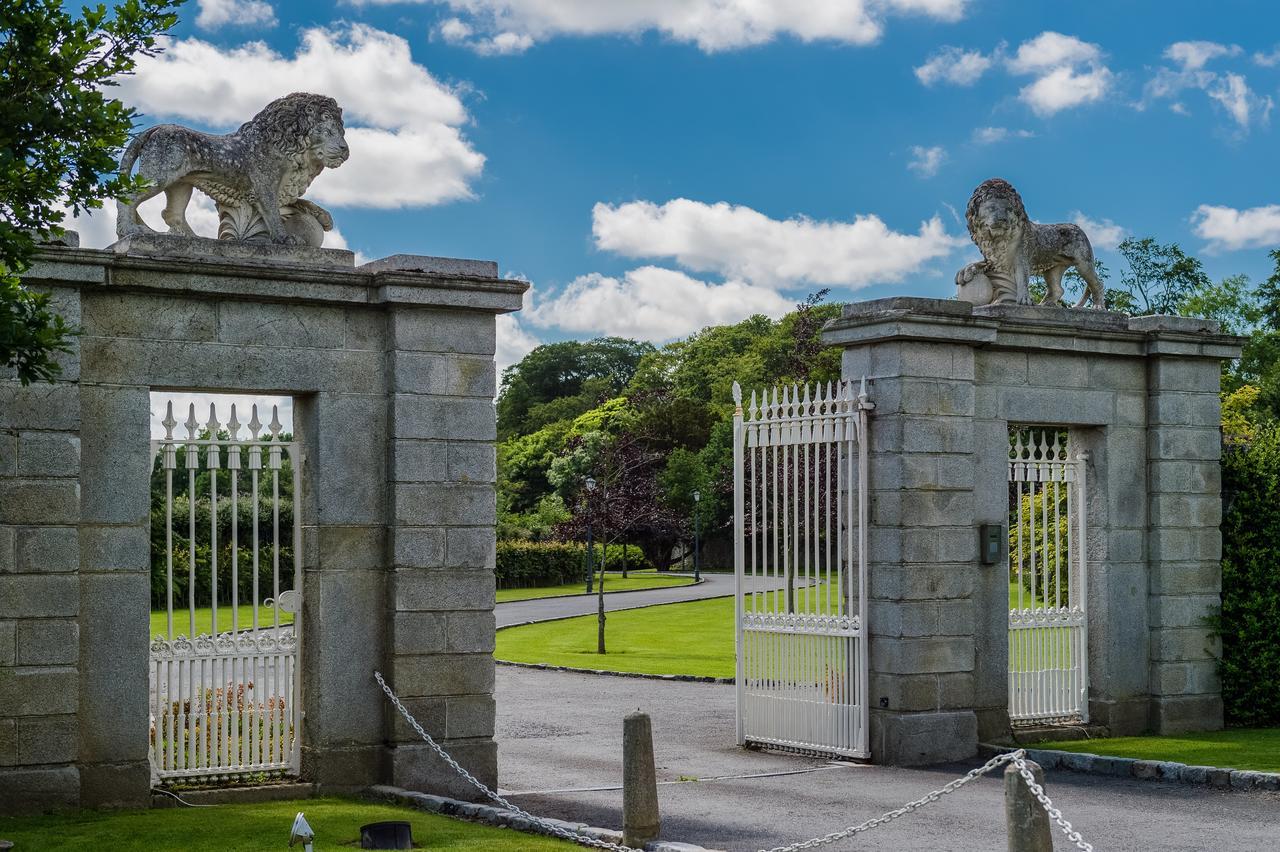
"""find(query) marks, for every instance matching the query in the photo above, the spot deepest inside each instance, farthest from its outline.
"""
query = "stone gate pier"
(390, 365)
(1141, 397)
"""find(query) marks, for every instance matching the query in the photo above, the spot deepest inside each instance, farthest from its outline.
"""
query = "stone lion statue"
(254, 175)
(1014, 248)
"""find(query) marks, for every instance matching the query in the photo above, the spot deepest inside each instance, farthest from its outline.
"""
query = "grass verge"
(693, 638)
(204, 620)
(1257, 749)
(252, 828)
(636, 581)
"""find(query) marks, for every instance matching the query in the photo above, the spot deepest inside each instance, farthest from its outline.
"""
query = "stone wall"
(391, 369)
(1141, 396)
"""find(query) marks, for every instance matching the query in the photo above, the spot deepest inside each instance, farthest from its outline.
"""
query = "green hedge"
(530, 564)
(1251, 580)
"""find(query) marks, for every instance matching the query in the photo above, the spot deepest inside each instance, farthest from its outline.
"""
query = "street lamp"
(697, 498)
(591, 550)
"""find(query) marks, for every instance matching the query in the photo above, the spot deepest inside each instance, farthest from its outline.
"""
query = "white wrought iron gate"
(1048, 621)
(800, 523)
(224, 673)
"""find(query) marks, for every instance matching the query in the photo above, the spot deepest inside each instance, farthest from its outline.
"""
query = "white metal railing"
(226, 702)
(1048, 619)
(800, 477)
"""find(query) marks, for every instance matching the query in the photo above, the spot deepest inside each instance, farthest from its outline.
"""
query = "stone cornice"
(284, 282)
(1028, 327)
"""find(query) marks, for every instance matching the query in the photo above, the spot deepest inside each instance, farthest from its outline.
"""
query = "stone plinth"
(1141, 395)
(391, 369)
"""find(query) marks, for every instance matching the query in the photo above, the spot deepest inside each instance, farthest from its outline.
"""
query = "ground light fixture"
(301, 833)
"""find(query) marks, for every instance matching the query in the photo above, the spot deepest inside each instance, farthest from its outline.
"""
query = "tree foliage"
(1250, 663)
(59, 137)
(559, 381)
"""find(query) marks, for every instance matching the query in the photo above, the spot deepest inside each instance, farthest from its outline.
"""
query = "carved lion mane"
(1015, 248)
(254, 175)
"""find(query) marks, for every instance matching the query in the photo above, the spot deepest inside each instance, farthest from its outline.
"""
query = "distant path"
(548, 609)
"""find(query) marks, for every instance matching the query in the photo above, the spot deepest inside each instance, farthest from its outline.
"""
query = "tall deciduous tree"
(59, 136)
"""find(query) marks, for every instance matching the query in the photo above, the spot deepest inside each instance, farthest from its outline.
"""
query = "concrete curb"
(501, 818)
(1146, 770)
(606, 673)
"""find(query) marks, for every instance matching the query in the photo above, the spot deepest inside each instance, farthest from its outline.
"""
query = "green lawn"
(251, 828)
(1239, 748)
(204, 619)
(613, 583)
(694, 638)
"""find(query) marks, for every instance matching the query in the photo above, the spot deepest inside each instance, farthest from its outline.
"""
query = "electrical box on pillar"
(990, 543)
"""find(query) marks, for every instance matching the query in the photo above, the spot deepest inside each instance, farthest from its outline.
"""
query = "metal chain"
(1047, 804)
(1017, 758)
(545, 825)
(902, 811)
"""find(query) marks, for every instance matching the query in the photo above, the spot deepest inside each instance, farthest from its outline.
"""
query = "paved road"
(545, 609)
(560, 731)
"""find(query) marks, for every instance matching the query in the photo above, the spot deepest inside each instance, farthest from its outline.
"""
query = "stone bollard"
(639, 782)
(1028, 824)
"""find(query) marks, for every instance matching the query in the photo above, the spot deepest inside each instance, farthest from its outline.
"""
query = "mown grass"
(1257, 749)
(204, 620)
(693, 638)
(636, 581)
(252, 828)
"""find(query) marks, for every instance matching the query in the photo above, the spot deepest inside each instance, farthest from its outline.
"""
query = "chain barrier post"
(1016, 759)
(640, 819)
(1025, 818)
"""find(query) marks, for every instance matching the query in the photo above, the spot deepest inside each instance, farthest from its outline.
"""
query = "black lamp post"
(591, 548)
(697, 498)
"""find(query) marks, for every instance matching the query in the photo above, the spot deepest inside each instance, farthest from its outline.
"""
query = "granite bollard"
(640, 820)
(1028, 824)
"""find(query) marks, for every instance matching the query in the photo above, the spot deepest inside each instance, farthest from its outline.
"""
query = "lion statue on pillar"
(1014, 248)
(255, 175)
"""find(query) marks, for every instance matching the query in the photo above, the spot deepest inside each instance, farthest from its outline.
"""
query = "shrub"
(1250, 614)
(529, 564)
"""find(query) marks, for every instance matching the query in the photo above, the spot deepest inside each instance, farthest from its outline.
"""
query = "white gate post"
(739, 527)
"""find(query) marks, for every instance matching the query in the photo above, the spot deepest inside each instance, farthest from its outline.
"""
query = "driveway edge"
(1220, 778)
(502, 818)
(607, 673)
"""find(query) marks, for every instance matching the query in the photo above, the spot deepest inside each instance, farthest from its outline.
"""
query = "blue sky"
(652, 166)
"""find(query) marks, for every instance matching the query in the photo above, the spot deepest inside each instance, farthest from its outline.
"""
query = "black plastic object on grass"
(393, 834)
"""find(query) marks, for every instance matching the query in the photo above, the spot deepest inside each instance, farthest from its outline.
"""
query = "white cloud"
(1240, 102)
(1229, 229)
(241, 13)
(1267, 60)
(514, 342)
(925, 162)
(954, 65)
(1229, 91)
(1102, 233)
(655, 304)
(1194, 55)
(738, 242)
(1069, 72)
(992, 135)
(506, 26)
(407, 147)
(1050, 50)
(1064, 88)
